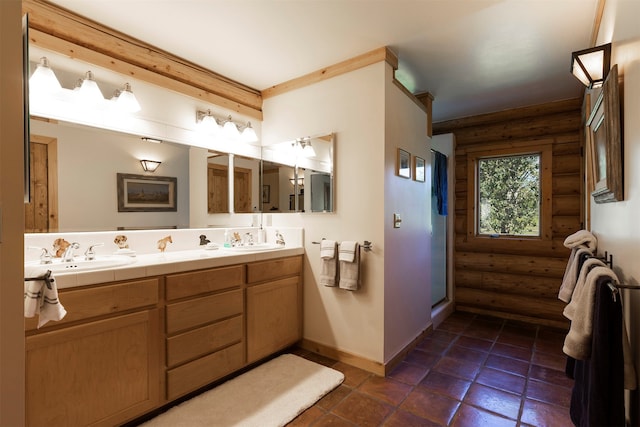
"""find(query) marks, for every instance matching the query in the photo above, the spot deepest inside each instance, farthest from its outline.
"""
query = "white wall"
(407, 274)
(88, 162)
(370, 118)
(617, 225)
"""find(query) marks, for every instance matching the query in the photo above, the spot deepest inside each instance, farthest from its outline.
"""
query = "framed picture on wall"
(403, 164)
(142, 193)
(604, 132)
(266, 194)
(418, 169)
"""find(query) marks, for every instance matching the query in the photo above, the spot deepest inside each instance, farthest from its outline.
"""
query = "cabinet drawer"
(203, 371)
(200, 282)
(84, 303)
(201, 341)
(273, 269)
(200, 311)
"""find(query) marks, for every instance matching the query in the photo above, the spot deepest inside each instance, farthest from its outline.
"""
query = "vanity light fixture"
(230, 129)
(249, 134)
(207, 121)
(126, 100)
(89, 92)
(591, 66)
(44, 80)
(149, 165)
(303, 147)
(226, 126)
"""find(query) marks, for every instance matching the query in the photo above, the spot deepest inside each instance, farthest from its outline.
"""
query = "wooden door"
(242, 190)
(41, 214)
(217, 188)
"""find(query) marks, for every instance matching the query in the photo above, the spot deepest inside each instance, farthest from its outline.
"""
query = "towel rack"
(46, 277)
(366, 245)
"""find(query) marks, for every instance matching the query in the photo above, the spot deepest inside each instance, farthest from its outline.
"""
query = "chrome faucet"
(45, 256)
(279, 238)
(89, 254)
(248, 240)
(67, 256)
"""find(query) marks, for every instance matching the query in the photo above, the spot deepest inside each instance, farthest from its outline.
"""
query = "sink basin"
(254, 248)
(80, 264)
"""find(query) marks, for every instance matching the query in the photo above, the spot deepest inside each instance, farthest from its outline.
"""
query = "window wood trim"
(545, 149)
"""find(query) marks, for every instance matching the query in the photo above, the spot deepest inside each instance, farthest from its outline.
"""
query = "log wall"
(518, 278)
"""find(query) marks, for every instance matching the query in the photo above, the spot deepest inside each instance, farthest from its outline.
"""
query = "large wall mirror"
(298, 175)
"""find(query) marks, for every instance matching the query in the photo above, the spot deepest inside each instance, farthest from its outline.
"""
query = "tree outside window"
(509, 195)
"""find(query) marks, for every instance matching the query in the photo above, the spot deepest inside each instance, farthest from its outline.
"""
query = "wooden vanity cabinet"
(204, 327)
(100, 365)
(274, 306)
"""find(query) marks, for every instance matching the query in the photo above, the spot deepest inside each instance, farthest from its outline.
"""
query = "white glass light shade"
(207, 122)
(150, 165)
(230, 129)
(591, 66)
(127, 101)
(308, 150)
(89, 93)
(44, 80)
(249, 134)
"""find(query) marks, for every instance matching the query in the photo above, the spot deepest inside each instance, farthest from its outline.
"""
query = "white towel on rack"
(349, 257)
(39, 298)
(581, 238)
(571, 273)
(329, 263)
(577, 343)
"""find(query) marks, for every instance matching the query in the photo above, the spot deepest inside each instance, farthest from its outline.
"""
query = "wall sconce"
(300, 181)
(43, 83)
(591, 66)
(88, 91)
(126, 100)
(149, 165)
(226, 126)
(44, 80)
(302, 146)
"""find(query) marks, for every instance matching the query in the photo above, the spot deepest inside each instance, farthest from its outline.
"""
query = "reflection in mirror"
(276, 187)
(309, 183)
(74, 178)
(245, 188)
(217, 182)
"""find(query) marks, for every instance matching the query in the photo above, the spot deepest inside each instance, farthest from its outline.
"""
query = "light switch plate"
(396, 220)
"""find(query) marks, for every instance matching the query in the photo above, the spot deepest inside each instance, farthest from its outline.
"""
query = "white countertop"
(157, 264)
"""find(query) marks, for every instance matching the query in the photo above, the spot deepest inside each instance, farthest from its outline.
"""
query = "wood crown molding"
(58, 29)
(360, 61)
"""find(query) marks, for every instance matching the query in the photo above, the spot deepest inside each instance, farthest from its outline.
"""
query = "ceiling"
(474, 56)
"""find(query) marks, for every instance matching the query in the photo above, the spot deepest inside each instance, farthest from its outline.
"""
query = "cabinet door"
(274, 317)
(103, 372)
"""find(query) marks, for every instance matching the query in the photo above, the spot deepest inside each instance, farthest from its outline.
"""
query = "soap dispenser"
(227, 238)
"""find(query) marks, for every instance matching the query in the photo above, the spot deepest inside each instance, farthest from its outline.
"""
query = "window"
(509, 191)
(509, 195)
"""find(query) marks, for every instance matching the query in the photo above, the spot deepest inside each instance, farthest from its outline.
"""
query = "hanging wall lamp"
(89, 93)
(302, 146)
(591, 66)
(149, 165)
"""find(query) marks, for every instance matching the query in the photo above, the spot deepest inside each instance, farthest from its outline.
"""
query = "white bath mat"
(271, 394)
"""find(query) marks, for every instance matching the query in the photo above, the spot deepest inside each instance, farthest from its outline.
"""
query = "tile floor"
(471, 371)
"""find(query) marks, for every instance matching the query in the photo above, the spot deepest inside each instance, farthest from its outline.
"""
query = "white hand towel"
(329, 263)
(349, 256)
(571, 273)
(577, 343)
(587, 266)
(41, 296)
(581, 238)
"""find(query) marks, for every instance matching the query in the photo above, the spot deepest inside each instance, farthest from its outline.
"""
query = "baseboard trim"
(380, 369)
